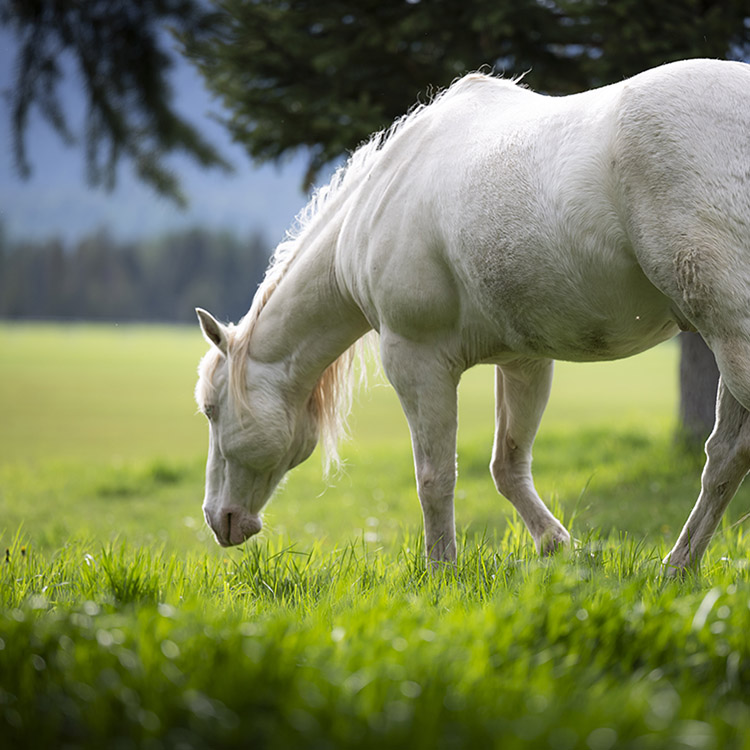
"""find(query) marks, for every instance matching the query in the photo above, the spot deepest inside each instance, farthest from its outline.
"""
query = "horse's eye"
(210, 411)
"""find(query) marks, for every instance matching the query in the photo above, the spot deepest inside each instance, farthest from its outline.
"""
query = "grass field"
(100, 426)
(122, 624)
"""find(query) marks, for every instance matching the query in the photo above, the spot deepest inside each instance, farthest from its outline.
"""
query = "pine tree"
(120, 51)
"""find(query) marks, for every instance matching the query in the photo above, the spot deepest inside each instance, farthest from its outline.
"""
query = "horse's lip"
(232, 525)
(242, 526)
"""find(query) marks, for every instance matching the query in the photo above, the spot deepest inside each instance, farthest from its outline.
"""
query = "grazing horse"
(497, 225)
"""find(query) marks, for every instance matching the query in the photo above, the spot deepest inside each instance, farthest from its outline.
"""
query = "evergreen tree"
(121, 54)
(323, 75)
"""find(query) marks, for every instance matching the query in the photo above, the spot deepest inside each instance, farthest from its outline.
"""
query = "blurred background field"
(101, 439)
(110, 393)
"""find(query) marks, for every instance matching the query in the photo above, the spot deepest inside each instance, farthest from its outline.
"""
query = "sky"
(56, 200)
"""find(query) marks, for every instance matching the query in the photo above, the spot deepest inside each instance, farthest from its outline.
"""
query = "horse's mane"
(331, 398)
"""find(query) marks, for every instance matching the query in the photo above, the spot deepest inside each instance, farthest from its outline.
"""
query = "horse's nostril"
(232, 526)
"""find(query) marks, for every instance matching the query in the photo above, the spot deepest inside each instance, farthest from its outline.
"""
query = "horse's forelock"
(205, 392)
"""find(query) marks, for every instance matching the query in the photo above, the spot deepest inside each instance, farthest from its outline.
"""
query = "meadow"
(122, 624)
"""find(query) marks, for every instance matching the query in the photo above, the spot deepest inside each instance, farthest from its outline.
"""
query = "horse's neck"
(308, 320)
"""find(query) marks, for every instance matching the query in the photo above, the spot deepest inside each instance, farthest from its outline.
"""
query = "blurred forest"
(99, 278)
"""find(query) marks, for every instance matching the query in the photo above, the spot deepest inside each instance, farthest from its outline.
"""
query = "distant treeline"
(102, 279)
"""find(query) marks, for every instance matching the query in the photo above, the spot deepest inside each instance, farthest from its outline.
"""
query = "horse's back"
(538, 223)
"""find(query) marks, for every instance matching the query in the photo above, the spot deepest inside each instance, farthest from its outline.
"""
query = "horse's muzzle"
(232, 525)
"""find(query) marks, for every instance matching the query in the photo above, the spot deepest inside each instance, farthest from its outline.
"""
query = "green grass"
(342, 647)
(123, 625)
(101, 437)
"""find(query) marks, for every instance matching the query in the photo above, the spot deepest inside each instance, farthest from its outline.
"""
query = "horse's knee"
(433, 483)
(509, 477)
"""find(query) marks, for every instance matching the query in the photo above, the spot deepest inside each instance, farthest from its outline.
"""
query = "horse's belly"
(552, 307)
(601, 340)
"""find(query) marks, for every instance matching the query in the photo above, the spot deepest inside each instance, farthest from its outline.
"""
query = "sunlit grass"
(342, 646)
(122, 624)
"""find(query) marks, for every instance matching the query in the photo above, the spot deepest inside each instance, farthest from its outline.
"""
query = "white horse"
(496, 225)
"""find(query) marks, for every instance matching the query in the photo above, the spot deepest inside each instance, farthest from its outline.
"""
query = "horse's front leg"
(727, 463)
(427, 391)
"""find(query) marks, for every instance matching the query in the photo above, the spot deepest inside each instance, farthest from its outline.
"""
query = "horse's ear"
(214, 332)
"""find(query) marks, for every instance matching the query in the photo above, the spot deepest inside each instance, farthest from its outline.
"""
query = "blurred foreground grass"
(341, 647)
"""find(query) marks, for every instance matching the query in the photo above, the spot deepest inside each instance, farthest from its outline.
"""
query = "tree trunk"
(699, 380)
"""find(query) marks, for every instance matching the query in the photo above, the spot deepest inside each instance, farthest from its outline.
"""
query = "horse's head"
(257, 433)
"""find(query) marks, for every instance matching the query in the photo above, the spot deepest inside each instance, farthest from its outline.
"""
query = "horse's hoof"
(552, 541)
(673, 569)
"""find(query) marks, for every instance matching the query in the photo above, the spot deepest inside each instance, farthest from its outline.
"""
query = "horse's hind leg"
(521, 394)
(727, 463)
